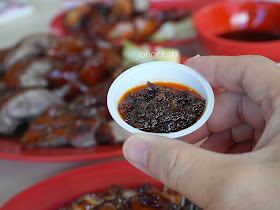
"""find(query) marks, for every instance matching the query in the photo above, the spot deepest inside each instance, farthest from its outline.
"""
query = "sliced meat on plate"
(31, 47)
(27, 74)
(23, 105)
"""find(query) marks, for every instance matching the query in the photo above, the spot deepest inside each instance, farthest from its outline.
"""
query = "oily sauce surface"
(251, 35)
(161, 107)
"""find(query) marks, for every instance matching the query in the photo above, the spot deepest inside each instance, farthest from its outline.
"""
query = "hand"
(247, 113)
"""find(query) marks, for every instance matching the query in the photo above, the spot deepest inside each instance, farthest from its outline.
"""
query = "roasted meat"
(81, 64)
(30, 47)
(124, 19)
(76, 79)
(146, 197)
(93, 102)
(71, 50)
(136, 28)
(2, 58)
(23, 105)
(75, 19)
(27, 74)
(83, 122)
(61, 126)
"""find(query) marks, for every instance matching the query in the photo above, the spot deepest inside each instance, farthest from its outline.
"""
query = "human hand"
(245, 114)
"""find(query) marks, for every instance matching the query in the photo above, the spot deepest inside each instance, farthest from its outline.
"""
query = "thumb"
(200, 175)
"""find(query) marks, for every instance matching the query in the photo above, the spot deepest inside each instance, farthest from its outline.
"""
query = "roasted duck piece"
(23, 105)
(112, 54)
(146, 197)
(137, 29)
(125, 19)
(62, 74)
(71, 49)
(76, 19)
(79, 124)
(27, 74)
(61, 126)
(76, 79)
(94, 101)
(81, 64)
(127, 8)
(31, 47)
(2, 58)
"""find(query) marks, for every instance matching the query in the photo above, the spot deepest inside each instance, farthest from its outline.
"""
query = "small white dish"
(160, 71)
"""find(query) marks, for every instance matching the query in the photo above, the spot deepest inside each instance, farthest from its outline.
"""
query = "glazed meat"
(75, 19)
(71, 50)
(137, 29)
(2, 57)
(30, 47)
(126, 8)
(27, 74)
(124, 19)
(94, 101)
(19, 106)
(146, 197)
(71, 110)
(83, 122)
(61, 126)
(80, 65)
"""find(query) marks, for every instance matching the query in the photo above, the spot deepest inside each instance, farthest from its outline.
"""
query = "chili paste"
(161, 107)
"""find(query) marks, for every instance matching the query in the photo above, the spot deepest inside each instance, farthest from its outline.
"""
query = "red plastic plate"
(61, 189)
(11, 149)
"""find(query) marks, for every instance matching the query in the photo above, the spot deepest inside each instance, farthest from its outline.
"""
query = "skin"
(238, 166)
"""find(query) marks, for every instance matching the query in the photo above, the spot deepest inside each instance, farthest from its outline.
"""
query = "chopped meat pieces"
(146, 197)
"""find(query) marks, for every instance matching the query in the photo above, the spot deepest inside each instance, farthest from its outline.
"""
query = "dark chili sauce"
(161, 107)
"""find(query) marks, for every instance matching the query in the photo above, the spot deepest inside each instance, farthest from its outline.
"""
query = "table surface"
(16, 176)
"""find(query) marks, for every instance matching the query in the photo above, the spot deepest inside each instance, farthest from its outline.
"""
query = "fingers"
(199, 174)
(221, 142)
(257, 76)
(231, 110)
(197, 135)
(242, 133)
(242, 147)
(218, 142)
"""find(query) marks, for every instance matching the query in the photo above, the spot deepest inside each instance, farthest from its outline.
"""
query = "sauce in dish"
(251, 35)
(161, 107)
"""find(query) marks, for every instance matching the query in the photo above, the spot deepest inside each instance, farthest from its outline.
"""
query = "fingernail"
(192, 59)
(135, 150)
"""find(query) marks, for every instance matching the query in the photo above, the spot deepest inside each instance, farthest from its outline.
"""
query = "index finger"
(255, 75)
